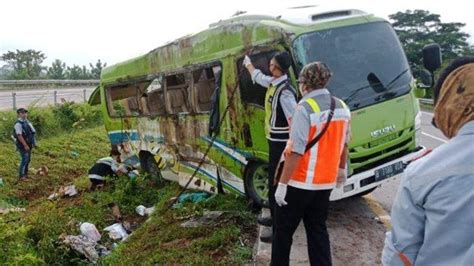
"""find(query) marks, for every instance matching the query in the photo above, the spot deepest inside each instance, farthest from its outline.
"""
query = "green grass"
(32, 237)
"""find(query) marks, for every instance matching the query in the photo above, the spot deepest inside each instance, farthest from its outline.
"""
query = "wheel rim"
(260, 182)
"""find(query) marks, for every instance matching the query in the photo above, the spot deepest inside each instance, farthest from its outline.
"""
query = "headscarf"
(455, 102)
(315, 75)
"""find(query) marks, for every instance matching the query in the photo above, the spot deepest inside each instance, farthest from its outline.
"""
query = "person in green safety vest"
(280, 103)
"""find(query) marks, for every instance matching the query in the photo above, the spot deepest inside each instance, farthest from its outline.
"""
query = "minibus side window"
(204, 85)
(251, 93)
(177, 93)
(122, 100)
(155, 100)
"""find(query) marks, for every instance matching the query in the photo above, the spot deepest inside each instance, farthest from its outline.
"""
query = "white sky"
(79, 32)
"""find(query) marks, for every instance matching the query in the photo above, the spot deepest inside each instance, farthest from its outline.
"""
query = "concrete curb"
(379, 211)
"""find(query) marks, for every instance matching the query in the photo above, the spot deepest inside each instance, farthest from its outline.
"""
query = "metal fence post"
(55, 97)
(14, 100)
(84, 95)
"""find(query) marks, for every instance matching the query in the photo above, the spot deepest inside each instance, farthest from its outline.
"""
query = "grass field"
(32, 237)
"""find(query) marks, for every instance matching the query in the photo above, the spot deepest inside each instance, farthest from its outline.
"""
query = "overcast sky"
(79, 32)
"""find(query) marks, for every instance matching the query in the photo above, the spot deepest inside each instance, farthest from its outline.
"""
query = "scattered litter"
(74, 154)
(142, 210)
(90, 231)
(191, 197)
(53, 196)
(83, 245)
(70, 191)
(102, 250)
(207, 219)
(116, 231)
(43, 171)
(8, 210)
(116, 211)
(1, 182)
(127, 226)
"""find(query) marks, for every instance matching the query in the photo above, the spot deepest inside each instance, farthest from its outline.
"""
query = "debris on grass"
(142, 210)
(90, 231)
(116, 231)
(13, 209)
(208, 218)
(194, 197)
(69, 191)
(116, 212)
(83, 245)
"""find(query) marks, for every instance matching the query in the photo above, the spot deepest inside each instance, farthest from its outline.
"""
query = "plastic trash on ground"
(90, 231)
(142, 210)
(116, 231)
(191, 197)
(70, 191)
(83, 245)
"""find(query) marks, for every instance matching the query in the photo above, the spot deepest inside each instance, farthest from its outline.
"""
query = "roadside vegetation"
(68, 149)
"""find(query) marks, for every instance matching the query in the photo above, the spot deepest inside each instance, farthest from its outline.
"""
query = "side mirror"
(426, 79)
(432, 57)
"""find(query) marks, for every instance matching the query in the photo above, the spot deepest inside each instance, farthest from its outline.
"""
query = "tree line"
(28, 64)
(415, 29)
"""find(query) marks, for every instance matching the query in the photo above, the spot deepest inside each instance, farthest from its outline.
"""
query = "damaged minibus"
(162, 109)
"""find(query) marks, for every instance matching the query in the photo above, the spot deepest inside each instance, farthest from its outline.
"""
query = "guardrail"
(46, 83)
(19, 98)
(426, 101)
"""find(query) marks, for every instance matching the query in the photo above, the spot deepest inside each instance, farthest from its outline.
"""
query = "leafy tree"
(24, 64)
(97, 69)
(420, 27)
(74, 72)
(57, 70)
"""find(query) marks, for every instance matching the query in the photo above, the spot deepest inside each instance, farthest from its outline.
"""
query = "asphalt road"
(43, 96)
(431, 138)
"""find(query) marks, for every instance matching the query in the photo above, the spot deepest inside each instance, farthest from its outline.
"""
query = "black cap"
(284, 60)
(21, 110)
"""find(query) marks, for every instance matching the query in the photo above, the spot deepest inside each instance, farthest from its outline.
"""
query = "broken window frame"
(160, 91)
(140, 85)
(255, 88)
(187, 85)
(194, 89)
(109, 101)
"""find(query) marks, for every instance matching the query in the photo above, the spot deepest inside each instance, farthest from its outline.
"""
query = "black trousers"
(276, 148)
(312, 207)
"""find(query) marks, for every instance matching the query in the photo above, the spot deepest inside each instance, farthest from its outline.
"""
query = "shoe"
(266, 236)
(265, 221)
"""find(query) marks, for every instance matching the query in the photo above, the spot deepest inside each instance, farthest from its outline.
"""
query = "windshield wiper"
(389, 86)
(349, 98)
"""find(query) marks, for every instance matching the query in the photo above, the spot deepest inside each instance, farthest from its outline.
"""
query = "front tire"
(256, 184)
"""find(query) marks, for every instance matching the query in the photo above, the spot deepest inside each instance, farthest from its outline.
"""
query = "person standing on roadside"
(280, 103)
(433, 212)
(24, 134)
(315, 163)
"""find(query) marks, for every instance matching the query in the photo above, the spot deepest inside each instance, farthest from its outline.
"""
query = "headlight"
(418, 128)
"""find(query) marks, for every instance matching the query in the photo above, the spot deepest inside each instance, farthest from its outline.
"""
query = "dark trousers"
(312, 207)
(25, 161)
(276, 148)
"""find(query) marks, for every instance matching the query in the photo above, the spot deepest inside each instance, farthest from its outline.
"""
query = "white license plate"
(389, 171)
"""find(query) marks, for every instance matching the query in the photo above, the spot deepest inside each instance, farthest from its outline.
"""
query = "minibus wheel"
(256, 183)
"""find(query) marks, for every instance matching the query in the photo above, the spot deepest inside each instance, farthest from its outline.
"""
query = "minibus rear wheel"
(256, 183)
